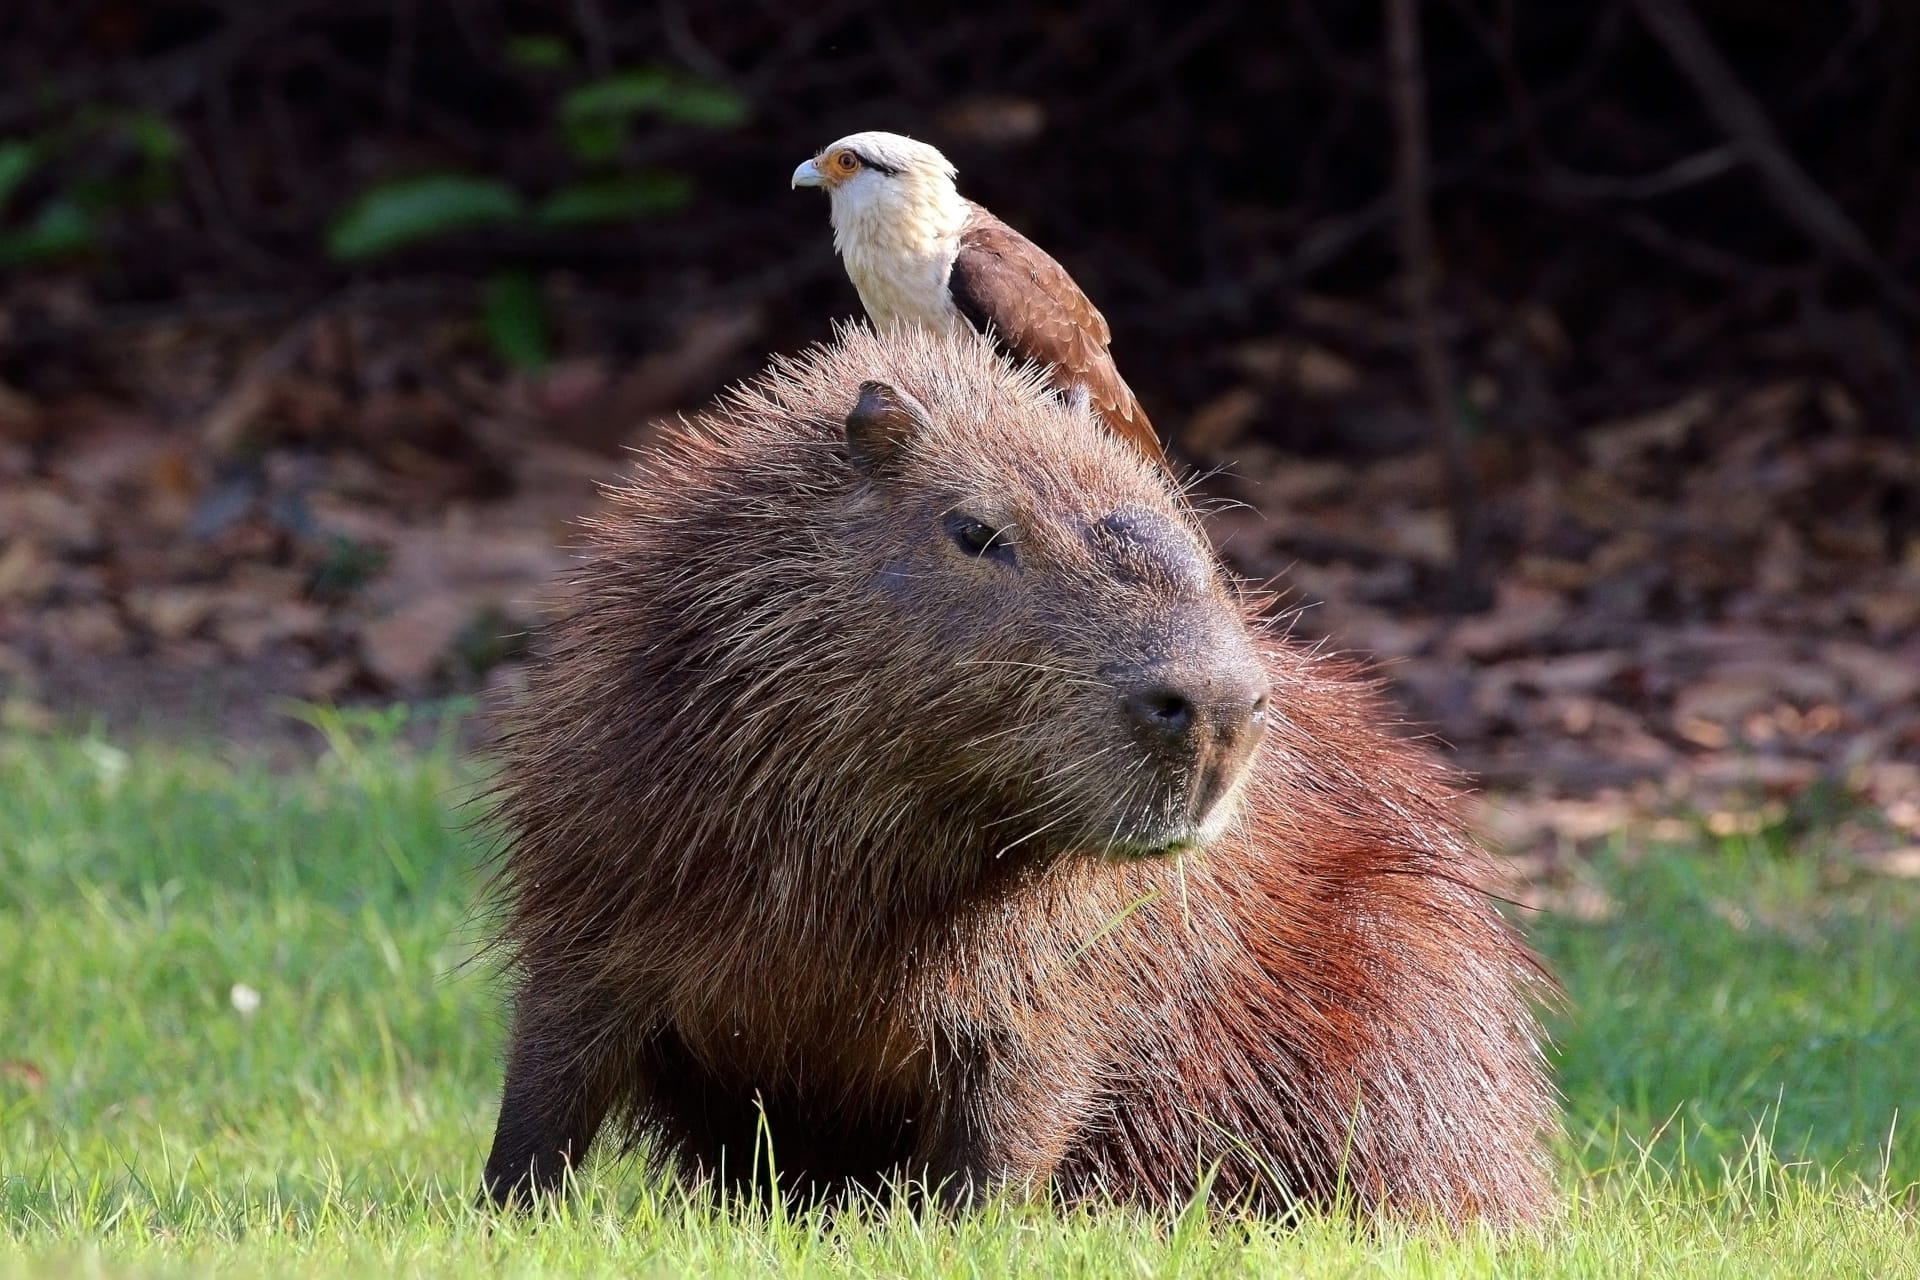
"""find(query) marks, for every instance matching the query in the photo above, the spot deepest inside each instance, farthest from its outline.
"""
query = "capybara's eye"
(978, 538)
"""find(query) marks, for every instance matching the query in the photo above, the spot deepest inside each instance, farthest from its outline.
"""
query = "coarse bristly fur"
(815, 830)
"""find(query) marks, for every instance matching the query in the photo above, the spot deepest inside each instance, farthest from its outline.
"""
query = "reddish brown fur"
(804, 816)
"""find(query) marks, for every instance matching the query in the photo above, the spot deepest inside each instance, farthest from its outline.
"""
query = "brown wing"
(1003, 279)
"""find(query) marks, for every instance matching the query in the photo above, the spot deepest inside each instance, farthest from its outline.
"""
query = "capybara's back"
(909, 787)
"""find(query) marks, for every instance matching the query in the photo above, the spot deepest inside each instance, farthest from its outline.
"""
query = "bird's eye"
(978, 538)
(846, 162)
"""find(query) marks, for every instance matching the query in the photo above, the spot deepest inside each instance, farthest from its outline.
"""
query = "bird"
(920, 253)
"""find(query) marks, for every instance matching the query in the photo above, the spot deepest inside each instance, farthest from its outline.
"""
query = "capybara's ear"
(882, 425)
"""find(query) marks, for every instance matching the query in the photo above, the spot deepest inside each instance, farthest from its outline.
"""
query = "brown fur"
(807, 812)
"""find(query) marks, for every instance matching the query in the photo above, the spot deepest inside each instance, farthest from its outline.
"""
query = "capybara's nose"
(1200, 706)
(1164, 711)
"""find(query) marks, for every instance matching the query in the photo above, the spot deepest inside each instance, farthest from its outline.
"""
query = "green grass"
(1740, 1039)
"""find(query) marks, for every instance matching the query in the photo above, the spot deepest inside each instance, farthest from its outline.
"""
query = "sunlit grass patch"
(242, 1031)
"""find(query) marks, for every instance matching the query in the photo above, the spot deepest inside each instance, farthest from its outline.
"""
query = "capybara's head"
(903, 584)
(1098, 683)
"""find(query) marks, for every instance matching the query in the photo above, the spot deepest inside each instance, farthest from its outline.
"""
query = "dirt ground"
(1709, 612)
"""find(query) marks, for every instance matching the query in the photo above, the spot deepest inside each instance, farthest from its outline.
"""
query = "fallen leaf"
(1554, 573)
(1724, 823)
(1613, 445)
(1221, 421)
(27, 572)
(1775, 775)
(326, 682)
(1890, 613)
(1903, 863)
(1291, 482)
(1521, 616)
(61, 523)
(406, 647)
(250, 628)
(1425, 536)
(89, 628)
(19, 1071)
(1735, 691)
(571, 386)
(172, 613)
(1701, 733)
(20, 714)
(1570, 672)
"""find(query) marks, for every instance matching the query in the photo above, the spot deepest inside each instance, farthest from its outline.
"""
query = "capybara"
(909, 791)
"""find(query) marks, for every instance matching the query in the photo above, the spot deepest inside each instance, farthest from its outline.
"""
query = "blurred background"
(1559, 357)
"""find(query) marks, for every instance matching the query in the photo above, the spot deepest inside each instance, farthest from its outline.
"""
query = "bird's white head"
(886, 185)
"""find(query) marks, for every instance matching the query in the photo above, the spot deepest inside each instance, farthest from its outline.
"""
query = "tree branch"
(1741, 118)
(1406, 85)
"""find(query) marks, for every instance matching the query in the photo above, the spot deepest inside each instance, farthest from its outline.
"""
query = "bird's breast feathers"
(899, 259)
(903, 290)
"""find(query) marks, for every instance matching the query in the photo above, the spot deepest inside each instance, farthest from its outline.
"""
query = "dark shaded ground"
(236, 468)
(1697, 609)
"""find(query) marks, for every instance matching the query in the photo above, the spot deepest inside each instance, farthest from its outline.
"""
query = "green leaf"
(18, 160)
(61, 229)
(619, 96)
(594, 139)
(410, 210)
(154, 136)
(622, 198)
(515, 315)
(594, 117)
(698, 102)
(539, 53)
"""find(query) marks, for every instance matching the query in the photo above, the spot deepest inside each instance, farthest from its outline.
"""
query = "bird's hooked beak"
(808, 175)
